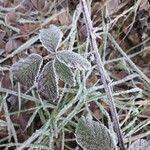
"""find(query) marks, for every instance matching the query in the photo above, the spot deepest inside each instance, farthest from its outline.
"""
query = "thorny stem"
(106, 81)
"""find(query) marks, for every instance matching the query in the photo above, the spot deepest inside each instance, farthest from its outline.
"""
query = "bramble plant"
(28, 71)
(90, 135)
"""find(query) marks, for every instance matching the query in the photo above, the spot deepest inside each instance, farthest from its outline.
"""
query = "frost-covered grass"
(52, 123)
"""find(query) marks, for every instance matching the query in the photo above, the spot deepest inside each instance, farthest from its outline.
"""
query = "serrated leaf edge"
(84, 120)
(69, 69)
(39, 68)
(78, 67)
(60, 39)
(56, 78)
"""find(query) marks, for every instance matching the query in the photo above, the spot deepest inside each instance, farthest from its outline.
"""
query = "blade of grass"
(128, 59)
(27, 97)
(21, 48)
(34, 136)
(10, 27)
(11, 128)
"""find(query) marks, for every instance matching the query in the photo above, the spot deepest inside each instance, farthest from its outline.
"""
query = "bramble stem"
(106, 81)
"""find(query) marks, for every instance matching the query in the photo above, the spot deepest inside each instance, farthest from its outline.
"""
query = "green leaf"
(92, 135)
(26, 70)
(64, 72)
(140, 144)
(51, 38)
(74, 60)
(47, 82)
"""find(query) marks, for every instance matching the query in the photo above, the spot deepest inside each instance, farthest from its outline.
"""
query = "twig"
(106, 81)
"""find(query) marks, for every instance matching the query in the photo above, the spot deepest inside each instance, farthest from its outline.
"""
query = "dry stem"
(106, 81)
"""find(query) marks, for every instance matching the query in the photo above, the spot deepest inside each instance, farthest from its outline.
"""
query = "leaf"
(92, 135)
(26, 70)
(74, 60)
(140, 144)
(47, 82)
(51, 38)
(64, 72)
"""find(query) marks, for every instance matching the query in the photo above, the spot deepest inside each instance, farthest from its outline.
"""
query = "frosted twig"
(106, 81)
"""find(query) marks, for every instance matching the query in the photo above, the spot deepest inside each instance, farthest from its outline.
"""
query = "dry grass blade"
(21, 48)
(130, 61)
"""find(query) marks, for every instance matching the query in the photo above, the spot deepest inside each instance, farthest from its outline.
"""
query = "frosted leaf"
(92, 135)
(26, 70)
(74, 60)
(47, 82)
(51, 38)
(140, 144)
(64, 72)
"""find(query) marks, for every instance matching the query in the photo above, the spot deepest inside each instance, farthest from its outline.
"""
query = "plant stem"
(106, 81)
